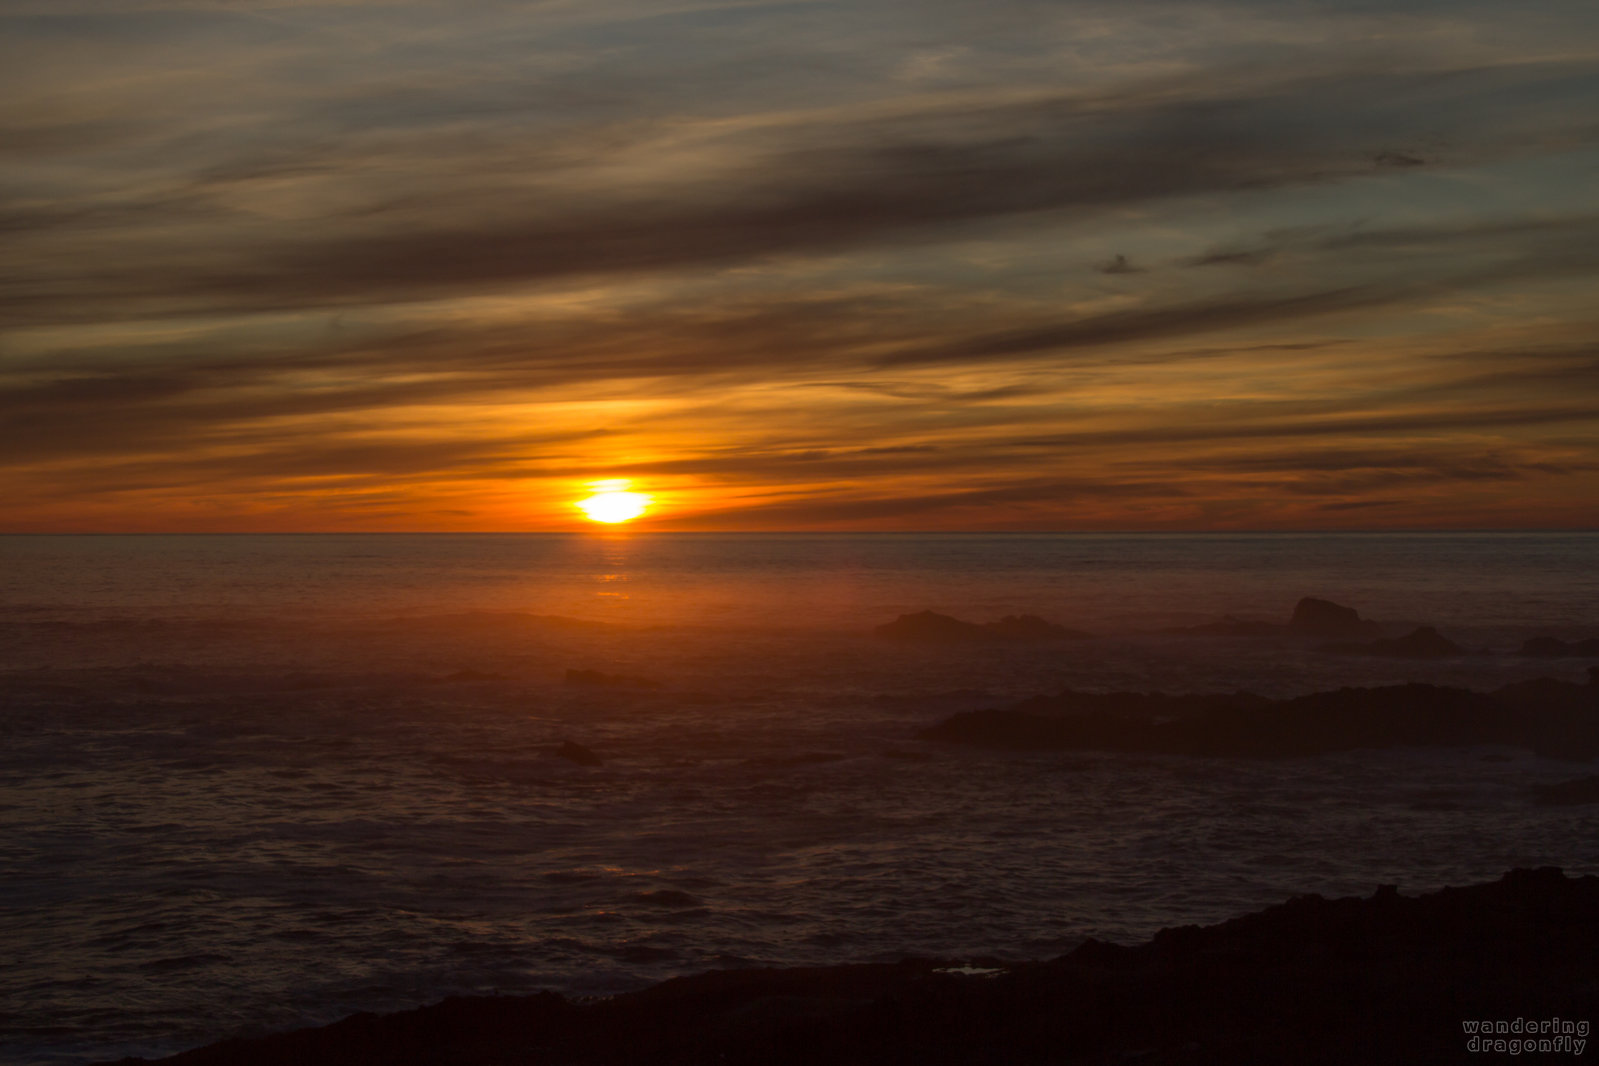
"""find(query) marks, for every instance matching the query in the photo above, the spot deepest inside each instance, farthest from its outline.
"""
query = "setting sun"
(612, 503)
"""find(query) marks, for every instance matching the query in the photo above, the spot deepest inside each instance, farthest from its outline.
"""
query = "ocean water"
(254, 782)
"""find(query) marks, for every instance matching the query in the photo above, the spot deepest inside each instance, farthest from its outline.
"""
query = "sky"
(879, 265)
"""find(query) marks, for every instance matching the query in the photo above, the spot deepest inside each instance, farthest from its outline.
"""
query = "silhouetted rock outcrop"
(1561, 717)
(1555, 648)
(1423, 643)
(1387, 979)
(1569, 793)
(1329, 621)
(1312, 618)
(1551, 717)
(1031, 627)
(930, 627)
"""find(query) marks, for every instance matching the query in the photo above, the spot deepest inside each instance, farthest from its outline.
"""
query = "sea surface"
(256, 782)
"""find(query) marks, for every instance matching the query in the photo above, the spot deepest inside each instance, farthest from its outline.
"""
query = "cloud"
(903, 179)
(1149, 323)
(1118, 264)
(1390, 158)
(754, 194)
(978, 505)
(79, 8)
(1241, 427)
(1232, 257)
(809, 262)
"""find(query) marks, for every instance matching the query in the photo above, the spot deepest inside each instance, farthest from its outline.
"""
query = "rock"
(1554, 648)
(578, 753)
(1550, 717)
(1031, 627)
(1320, 619)
(1385, 979)
(595, 678)
(1568, 793)
(1329, 621)
(1559, 717)
(930, 627)
(1423, 643)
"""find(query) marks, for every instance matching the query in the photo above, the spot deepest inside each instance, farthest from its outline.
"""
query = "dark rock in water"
(1550, 717)
(1321, 619)
(1031, 627)
(1227, 627)
(1561, 717)
(578, 753)
(1569, 793)
(1386, 979)
(930, 627)
(1329, 621)
(1546, 691)
(596, 678)
(1554, 648)
(1423, 643)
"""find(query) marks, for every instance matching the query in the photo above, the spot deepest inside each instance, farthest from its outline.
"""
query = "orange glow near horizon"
(612, 503)
(903, 279)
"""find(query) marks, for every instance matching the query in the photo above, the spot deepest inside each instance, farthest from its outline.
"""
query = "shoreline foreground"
(1483, 973)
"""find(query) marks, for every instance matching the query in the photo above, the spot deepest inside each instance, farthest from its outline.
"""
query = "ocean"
(255, 782)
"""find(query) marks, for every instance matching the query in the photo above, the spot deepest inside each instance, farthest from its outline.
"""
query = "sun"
(612, 503)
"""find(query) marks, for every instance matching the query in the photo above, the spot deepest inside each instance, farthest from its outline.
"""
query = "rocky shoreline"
(1557, 719)
(1386, 979)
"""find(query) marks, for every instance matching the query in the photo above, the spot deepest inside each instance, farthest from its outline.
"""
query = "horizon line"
(611, 532)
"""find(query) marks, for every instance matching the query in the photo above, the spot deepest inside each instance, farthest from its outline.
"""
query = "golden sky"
(1029, 264)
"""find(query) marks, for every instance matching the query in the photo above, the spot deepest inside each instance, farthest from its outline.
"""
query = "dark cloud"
(93, 403)
(1150, 323)
(843, 277)
(823, 188)
(1050, 495)
(1358, 505)
(883, 181)
(1439, 461)
(1232, 257)
(282, 458)
(1390, 158)
(1240, 424)
(1118, 264)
